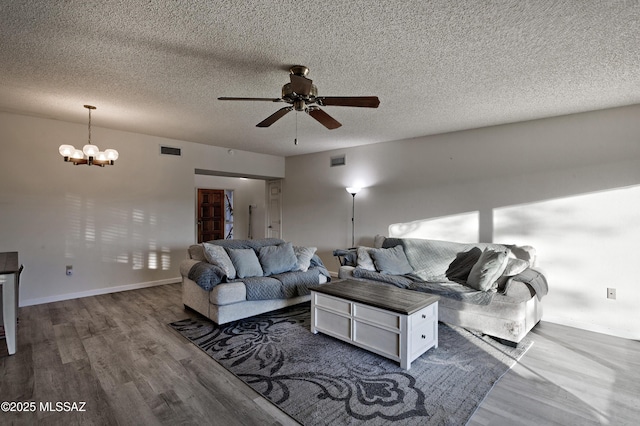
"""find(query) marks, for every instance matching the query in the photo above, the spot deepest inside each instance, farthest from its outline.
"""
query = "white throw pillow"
(304, 255)
(488, 269)
(364, 260)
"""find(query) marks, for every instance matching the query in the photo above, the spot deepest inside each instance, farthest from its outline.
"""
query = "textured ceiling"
(158, 67)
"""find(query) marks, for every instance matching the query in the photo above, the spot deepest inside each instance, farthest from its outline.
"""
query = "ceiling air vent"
(169, 150)
(340, 160)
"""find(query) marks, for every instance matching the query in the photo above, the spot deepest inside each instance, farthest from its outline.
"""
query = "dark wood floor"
(116, 353)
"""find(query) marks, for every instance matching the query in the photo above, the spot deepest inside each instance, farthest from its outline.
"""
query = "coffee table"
(395, 323)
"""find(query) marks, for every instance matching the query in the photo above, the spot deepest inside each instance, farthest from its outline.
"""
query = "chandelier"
(90, 154)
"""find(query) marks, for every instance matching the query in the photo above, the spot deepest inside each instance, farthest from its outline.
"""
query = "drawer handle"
(424, 337)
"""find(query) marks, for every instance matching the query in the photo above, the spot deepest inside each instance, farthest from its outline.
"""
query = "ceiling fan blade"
(274, 117)
(301, 85)
(226, 98)
(350, 101)
(323, 118)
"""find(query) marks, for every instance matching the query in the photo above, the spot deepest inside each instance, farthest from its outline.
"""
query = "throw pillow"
(514, 267)
(364, 259)
(391, 261)
(303, 256)
(246, 262)
(487, 270)
(277, 259)
(461, 266)
(216, 255)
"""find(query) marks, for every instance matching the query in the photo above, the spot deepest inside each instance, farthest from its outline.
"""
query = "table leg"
(10, 311)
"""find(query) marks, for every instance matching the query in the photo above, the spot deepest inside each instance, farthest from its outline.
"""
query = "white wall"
(567, 185)
(122, 226)
(246, 192)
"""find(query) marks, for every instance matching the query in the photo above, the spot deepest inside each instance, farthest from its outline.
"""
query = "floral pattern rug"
(319, 380)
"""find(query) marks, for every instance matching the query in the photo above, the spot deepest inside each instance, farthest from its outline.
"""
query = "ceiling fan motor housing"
(288, 95)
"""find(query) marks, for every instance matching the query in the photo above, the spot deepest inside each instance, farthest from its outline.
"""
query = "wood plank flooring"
(116, 353)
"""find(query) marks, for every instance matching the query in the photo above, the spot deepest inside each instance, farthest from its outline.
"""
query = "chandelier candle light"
(90, 154)
(353, 190)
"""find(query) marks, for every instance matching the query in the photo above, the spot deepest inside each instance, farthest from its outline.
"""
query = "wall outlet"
(611, 293)
(69, 270)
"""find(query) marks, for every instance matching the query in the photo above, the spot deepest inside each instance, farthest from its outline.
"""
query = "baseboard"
(97, 292)
(596, 328)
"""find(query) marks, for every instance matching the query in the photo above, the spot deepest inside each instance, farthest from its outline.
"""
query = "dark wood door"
(210, 214)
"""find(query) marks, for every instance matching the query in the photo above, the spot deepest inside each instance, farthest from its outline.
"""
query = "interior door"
(210, 214)
(274, 219)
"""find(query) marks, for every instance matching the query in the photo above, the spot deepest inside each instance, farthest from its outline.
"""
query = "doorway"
(212, 214)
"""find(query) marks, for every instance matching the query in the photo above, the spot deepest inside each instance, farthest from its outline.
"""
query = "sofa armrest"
(186, 265)
(345, 272)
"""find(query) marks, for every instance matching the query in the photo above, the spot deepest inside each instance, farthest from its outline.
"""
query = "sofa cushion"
(391, 261)
(364, 260)
(196, 252)
(217, 255)
(277, 259)
(303, 257)
(488, 269)
(246, 262)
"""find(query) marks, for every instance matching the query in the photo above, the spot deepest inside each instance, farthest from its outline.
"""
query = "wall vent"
(339, 160)
(169, 150)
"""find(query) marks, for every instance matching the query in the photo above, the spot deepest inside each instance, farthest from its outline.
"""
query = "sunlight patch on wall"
(584, 244)
(461, 227)
(116, 235)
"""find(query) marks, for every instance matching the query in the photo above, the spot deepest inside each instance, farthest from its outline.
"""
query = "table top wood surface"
(9, 262)
(378, 295)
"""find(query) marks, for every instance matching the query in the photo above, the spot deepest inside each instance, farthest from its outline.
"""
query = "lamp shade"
(77, 154)
(353, 190)
(112, 154)
(66, 150)
(90, 150)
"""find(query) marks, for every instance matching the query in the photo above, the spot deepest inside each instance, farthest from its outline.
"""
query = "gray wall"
(567, 185)
(122, 226)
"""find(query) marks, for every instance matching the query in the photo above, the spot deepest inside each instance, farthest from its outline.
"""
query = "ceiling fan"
(302, 94)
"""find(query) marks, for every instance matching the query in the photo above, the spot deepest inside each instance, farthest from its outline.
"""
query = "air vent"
(169, 150)
(340, 160)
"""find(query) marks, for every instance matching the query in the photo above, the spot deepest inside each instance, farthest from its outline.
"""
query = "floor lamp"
(353, 191)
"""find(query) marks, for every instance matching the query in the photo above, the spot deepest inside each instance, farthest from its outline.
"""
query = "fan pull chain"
(295, 141)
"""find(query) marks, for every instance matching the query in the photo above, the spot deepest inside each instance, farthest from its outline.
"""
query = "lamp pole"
(353, 191)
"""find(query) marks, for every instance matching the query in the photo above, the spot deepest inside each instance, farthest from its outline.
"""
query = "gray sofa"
(226, 280)
(491, 288)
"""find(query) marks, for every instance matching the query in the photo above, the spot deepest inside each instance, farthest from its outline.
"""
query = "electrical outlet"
(69, 270)
(611, 293)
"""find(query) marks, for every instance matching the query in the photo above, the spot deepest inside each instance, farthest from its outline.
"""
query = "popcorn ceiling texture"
(158, 67)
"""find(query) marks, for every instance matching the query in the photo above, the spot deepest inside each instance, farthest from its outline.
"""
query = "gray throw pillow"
(277, 259)
(364, 259)
(246, 262)
(303, 256)
(488, 269)
(391, 261)
(216, 255)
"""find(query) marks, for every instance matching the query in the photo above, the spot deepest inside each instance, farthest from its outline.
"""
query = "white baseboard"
(96, 292)
(596, 328)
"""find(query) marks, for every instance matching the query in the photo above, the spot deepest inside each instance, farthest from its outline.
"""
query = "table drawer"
(333, 303)
(424, 315)
(332, 323)
(377, 316)
(423, 337)
(381, 341)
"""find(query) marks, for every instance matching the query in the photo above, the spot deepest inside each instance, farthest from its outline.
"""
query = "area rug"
(319, 380)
